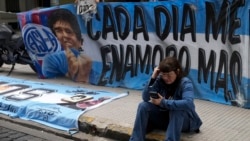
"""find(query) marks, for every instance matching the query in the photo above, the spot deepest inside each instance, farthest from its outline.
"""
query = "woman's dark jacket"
(181, 99)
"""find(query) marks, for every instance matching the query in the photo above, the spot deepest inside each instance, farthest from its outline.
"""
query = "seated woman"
(173, 110)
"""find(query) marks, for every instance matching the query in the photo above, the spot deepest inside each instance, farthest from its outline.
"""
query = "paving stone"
(5, 134)
(17, 135)
(12, 135)
(28, 138)
(6, 139)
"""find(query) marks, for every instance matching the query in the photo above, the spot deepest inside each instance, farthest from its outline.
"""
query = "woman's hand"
(155, 73)
(157, 101)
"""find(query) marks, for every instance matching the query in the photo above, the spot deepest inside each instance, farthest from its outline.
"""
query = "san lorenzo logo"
(39, 40)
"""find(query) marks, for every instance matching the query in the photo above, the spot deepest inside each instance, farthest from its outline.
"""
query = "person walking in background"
(70, 61)
(172, 108)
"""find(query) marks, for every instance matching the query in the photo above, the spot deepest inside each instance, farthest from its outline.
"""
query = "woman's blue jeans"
(152, 116)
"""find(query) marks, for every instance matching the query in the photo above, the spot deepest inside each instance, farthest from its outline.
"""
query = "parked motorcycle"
(12, 48)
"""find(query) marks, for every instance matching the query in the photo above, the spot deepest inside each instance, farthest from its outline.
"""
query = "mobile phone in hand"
(154, 94)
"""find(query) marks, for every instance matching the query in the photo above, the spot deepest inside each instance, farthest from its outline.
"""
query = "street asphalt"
(115, 120)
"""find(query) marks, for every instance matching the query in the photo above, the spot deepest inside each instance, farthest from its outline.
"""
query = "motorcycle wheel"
(33, 68)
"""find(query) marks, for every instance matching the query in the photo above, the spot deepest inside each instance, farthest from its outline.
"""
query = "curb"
(89, 125)
(104, 128)
(108, 129)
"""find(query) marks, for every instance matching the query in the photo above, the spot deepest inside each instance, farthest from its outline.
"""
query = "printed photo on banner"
(55, 44)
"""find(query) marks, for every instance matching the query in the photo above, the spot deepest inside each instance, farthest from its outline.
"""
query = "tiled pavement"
(115, 119)
(12, 135)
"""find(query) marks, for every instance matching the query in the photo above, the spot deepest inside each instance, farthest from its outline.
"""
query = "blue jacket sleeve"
(145, 94)
(153, 85)
(183, 98)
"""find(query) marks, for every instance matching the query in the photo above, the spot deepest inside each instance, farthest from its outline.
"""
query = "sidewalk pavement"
(115, 119)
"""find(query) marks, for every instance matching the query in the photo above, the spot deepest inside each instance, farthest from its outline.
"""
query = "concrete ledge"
(91, 126)
(104, 128)
(116, 131)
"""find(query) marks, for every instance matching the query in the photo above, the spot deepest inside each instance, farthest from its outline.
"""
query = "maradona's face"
(66, 35)
(168, 77)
